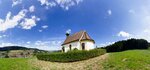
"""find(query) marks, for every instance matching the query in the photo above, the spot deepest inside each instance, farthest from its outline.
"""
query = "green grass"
(128, 60)
(15, 64)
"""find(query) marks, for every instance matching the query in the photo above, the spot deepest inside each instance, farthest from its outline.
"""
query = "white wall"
(73, 45)
(88, 45)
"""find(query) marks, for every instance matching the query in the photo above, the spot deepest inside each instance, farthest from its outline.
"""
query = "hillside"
(128, 60)
(18, 51)
(7, 48)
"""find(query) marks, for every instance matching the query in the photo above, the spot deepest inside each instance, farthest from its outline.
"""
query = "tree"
(128, 45)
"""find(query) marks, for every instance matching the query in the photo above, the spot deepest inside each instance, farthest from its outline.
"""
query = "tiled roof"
(82, 35)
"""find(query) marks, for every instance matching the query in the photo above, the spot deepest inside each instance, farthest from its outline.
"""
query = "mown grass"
(128, 60)
(15, 64)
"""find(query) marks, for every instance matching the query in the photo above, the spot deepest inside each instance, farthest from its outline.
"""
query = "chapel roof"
(79, 36)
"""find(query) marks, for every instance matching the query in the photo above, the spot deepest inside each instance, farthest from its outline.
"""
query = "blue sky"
(43, 23)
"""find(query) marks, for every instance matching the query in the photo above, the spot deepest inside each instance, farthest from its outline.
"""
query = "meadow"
(15, 64)
(126, 60)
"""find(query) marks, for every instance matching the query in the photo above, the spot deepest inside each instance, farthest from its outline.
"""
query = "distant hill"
(8, 48)
(19, 52)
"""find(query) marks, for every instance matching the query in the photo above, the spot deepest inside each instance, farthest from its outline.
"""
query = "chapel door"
(83, 46)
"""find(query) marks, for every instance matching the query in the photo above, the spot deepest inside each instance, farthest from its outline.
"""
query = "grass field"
(15, 64)
(128, 60)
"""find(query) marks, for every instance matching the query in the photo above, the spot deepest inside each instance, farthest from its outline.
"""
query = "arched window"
(83, 46)
(70, 47)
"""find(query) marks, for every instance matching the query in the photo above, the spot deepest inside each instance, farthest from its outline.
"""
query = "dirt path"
(90, 64)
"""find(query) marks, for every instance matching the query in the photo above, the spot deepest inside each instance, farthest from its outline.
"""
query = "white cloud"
(16, 2)
(43, 1)
(40, 30)
(132, 11)
(109, 12)
(28, 23)
(140, 21)
(3, 36)
(18, 20)
(68, 31)
(4, 44)
(105, 44)
(7, 44)
(12, 22)
(47, 3)
(32, 8)
(124, 34)
(45, 26)
(48, 45)
(144, 35)
(28, 42)
(65, 4)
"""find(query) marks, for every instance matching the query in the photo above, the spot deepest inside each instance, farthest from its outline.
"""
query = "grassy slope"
(15, 64)
(128, 60)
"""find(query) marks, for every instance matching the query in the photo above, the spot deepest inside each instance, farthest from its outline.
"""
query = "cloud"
(18, 20)
(105, 44)
(53, 43)
(32, 8)
(28, 23)
(11, 22)
(144, 35)
(28, 42)
(132, 11)
(48, 45)
(140, 21)
(109, 12)
(65, 4)
(16, 2)
(6, 44)
(124, 34)
(68, 31)
(47, 3)
(40, 30)
(43, 2)
(3, 36)
(45, 26)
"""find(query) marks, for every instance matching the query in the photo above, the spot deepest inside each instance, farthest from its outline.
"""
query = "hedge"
(71, 56)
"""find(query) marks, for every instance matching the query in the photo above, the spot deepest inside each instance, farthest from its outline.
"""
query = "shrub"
(71, 56)
(75, 49)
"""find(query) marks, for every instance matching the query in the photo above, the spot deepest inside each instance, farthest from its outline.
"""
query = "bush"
(71, 56)
(75, 49)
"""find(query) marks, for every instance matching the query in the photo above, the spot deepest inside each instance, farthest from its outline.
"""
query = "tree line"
(129, 44)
